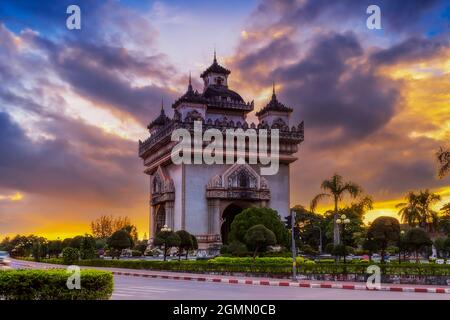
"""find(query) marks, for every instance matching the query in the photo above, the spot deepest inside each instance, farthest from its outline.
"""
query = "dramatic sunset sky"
(73, 104)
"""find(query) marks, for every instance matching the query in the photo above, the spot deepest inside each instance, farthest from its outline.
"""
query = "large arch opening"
(228, 216)
(160, 219)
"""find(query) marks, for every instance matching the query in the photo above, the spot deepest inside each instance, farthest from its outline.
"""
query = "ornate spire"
(274, 104)
(215, 58)
(190, 83)
(161, 120)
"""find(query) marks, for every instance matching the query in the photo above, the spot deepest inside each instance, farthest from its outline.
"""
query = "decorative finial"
(215, 58)
(162, 105)
(274, 96)
(190, 83)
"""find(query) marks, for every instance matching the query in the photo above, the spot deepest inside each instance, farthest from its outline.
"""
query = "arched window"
(243, 180)
(157, 186)
(160, 219)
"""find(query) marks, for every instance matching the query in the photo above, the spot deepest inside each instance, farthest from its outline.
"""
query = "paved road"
(138, 288)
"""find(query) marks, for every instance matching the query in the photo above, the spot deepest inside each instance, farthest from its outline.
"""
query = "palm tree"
(417, 209)
(336, 188)
(446, 209)
(443, 157)
(409, 210)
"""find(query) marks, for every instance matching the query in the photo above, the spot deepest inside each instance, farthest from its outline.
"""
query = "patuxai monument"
(203, 197)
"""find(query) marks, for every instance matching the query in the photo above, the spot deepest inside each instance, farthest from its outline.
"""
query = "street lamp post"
(402, 233)
(294, 249)
(343, 220)
(320, 238)
(164, 229)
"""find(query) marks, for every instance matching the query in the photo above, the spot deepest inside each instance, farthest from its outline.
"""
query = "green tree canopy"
(417, 209)
(443, 156)
(336, 188)
(384, 230)
(185, 244)
(417, 240)
(166, 240)
(87, 247)
(258, 237)
(55, 247)
(120, 240)
(371, 246)
(76, 242)
(253, 216)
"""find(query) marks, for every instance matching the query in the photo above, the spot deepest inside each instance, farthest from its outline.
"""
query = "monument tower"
(203, 199)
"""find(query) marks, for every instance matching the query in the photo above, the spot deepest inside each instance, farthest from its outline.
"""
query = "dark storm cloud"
(105, 87)
(102, 73)
(63, 165)
(397, 176)
(276, 50)
(332, 94)
(411, 49)
(397, 15)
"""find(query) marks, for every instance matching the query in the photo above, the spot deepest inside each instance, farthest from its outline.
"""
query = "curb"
(287, 283)
(277, 283)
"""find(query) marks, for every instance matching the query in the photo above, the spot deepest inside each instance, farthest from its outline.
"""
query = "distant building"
(204, 199)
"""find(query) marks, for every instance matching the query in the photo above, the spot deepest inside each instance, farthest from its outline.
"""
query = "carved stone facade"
(204, 199)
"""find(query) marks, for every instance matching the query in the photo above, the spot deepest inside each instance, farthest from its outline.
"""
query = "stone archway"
(228, 216)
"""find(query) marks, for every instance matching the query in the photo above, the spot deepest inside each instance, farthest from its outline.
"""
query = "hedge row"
(51, 285)
(269, 266)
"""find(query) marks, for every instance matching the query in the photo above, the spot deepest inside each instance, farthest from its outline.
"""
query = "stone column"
(217, 217)
(152, 226)
(170, 219)
(213, 216)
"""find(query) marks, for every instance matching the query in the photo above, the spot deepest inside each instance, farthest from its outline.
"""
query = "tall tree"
(185, 242)
(258, 238)
(417, 240)
(102, 227)
(443, 157)
(446, 209)
(384, 230)
(418, 209)
(166, 240)
(118, 241)
(105, 226)
(336, 188)
(444, 219)
(409, 210)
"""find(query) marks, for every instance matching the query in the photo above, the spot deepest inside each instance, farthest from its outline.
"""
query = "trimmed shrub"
(51, 285)
(258, 238)
(70, 255)
(136, 253)
(254, 216)
(267, 265)
(237, 248)
(307, 249)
